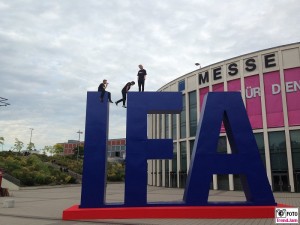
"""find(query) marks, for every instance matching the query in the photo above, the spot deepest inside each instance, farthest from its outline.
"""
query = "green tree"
(18, 145)
(115, 171)
(49, 149)
(81, 151)
(58, 149)
(30, 146)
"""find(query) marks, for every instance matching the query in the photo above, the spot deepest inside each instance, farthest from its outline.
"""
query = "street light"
(198, 64)
(2, 142)
(31, 129)
(78, 132)
(3, 101)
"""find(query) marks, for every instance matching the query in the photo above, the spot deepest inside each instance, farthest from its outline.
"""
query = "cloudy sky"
(53, 52)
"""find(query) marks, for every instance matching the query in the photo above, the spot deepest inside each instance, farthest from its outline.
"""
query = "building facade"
(269, 82)
(115, 147)
(70, 146)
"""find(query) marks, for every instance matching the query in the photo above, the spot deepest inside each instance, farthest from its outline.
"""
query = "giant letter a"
(244, 160)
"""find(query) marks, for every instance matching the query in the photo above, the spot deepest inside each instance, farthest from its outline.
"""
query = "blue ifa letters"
(218, 107)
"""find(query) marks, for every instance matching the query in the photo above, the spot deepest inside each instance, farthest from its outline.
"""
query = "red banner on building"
(202, 93)
(253, 101)
(219, 88)
(292, 89)
(273, 99)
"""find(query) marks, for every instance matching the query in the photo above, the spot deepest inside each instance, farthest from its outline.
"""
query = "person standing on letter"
(124, 93)
(102, 88)
(141, 78)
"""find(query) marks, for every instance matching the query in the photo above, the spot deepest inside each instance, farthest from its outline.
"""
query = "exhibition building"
(269, 82)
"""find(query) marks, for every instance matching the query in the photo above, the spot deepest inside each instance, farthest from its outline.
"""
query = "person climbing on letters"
(102, 88)
(141, 78)
(124, 93)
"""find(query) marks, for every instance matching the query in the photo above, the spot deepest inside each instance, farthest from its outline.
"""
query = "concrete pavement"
(44, 206)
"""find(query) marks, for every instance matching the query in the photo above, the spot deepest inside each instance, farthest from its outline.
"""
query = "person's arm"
(145, 75)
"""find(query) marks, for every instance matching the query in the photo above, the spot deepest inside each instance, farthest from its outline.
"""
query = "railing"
(72, 173)
(76, 175)
(12, 179)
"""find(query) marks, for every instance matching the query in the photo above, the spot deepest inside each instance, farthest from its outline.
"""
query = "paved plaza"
(44, 206)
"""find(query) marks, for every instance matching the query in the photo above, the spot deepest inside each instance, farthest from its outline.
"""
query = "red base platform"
(187, 212)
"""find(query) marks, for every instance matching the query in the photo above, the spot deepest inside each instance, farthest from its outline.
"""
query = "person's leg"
(117, 102)
(139, 83)
(109, 97)
(102, 95)
(124, 98)
(143, 84)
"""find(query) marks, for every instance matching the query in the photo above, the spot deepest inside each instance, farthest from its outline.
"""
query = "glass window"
(160, 126)
(182, 119)
(261, 146)
(154, 172)
(183, 166)
(167, 173)
(278, 151)
(237, 182)
(222, 145)
(192, 142)
(160, 172)
(167, 165)
(181, 85)
(193, 113)
(154, 126)
(167, 126)
(295, 145)
(223, 182)
(174, 161)
(173, 173)
(174, 127)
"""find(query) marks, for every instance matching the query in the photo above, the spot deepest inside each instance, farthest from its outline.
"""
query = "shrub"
(115, 172)
(31, 170)
(42, 179)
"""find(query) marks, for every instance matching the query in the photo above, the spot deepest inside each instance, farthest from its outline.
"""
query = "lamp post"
(198, 64)
(3, 101)
(79, 132)
(31, 129)
(2, 142)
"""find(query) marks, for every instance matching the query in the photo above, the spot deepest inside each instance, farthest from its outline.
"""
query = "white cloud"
(53, 52)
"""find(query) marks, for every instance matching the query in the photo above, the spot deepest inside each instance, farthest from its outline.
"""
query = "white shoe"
(124, 106)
